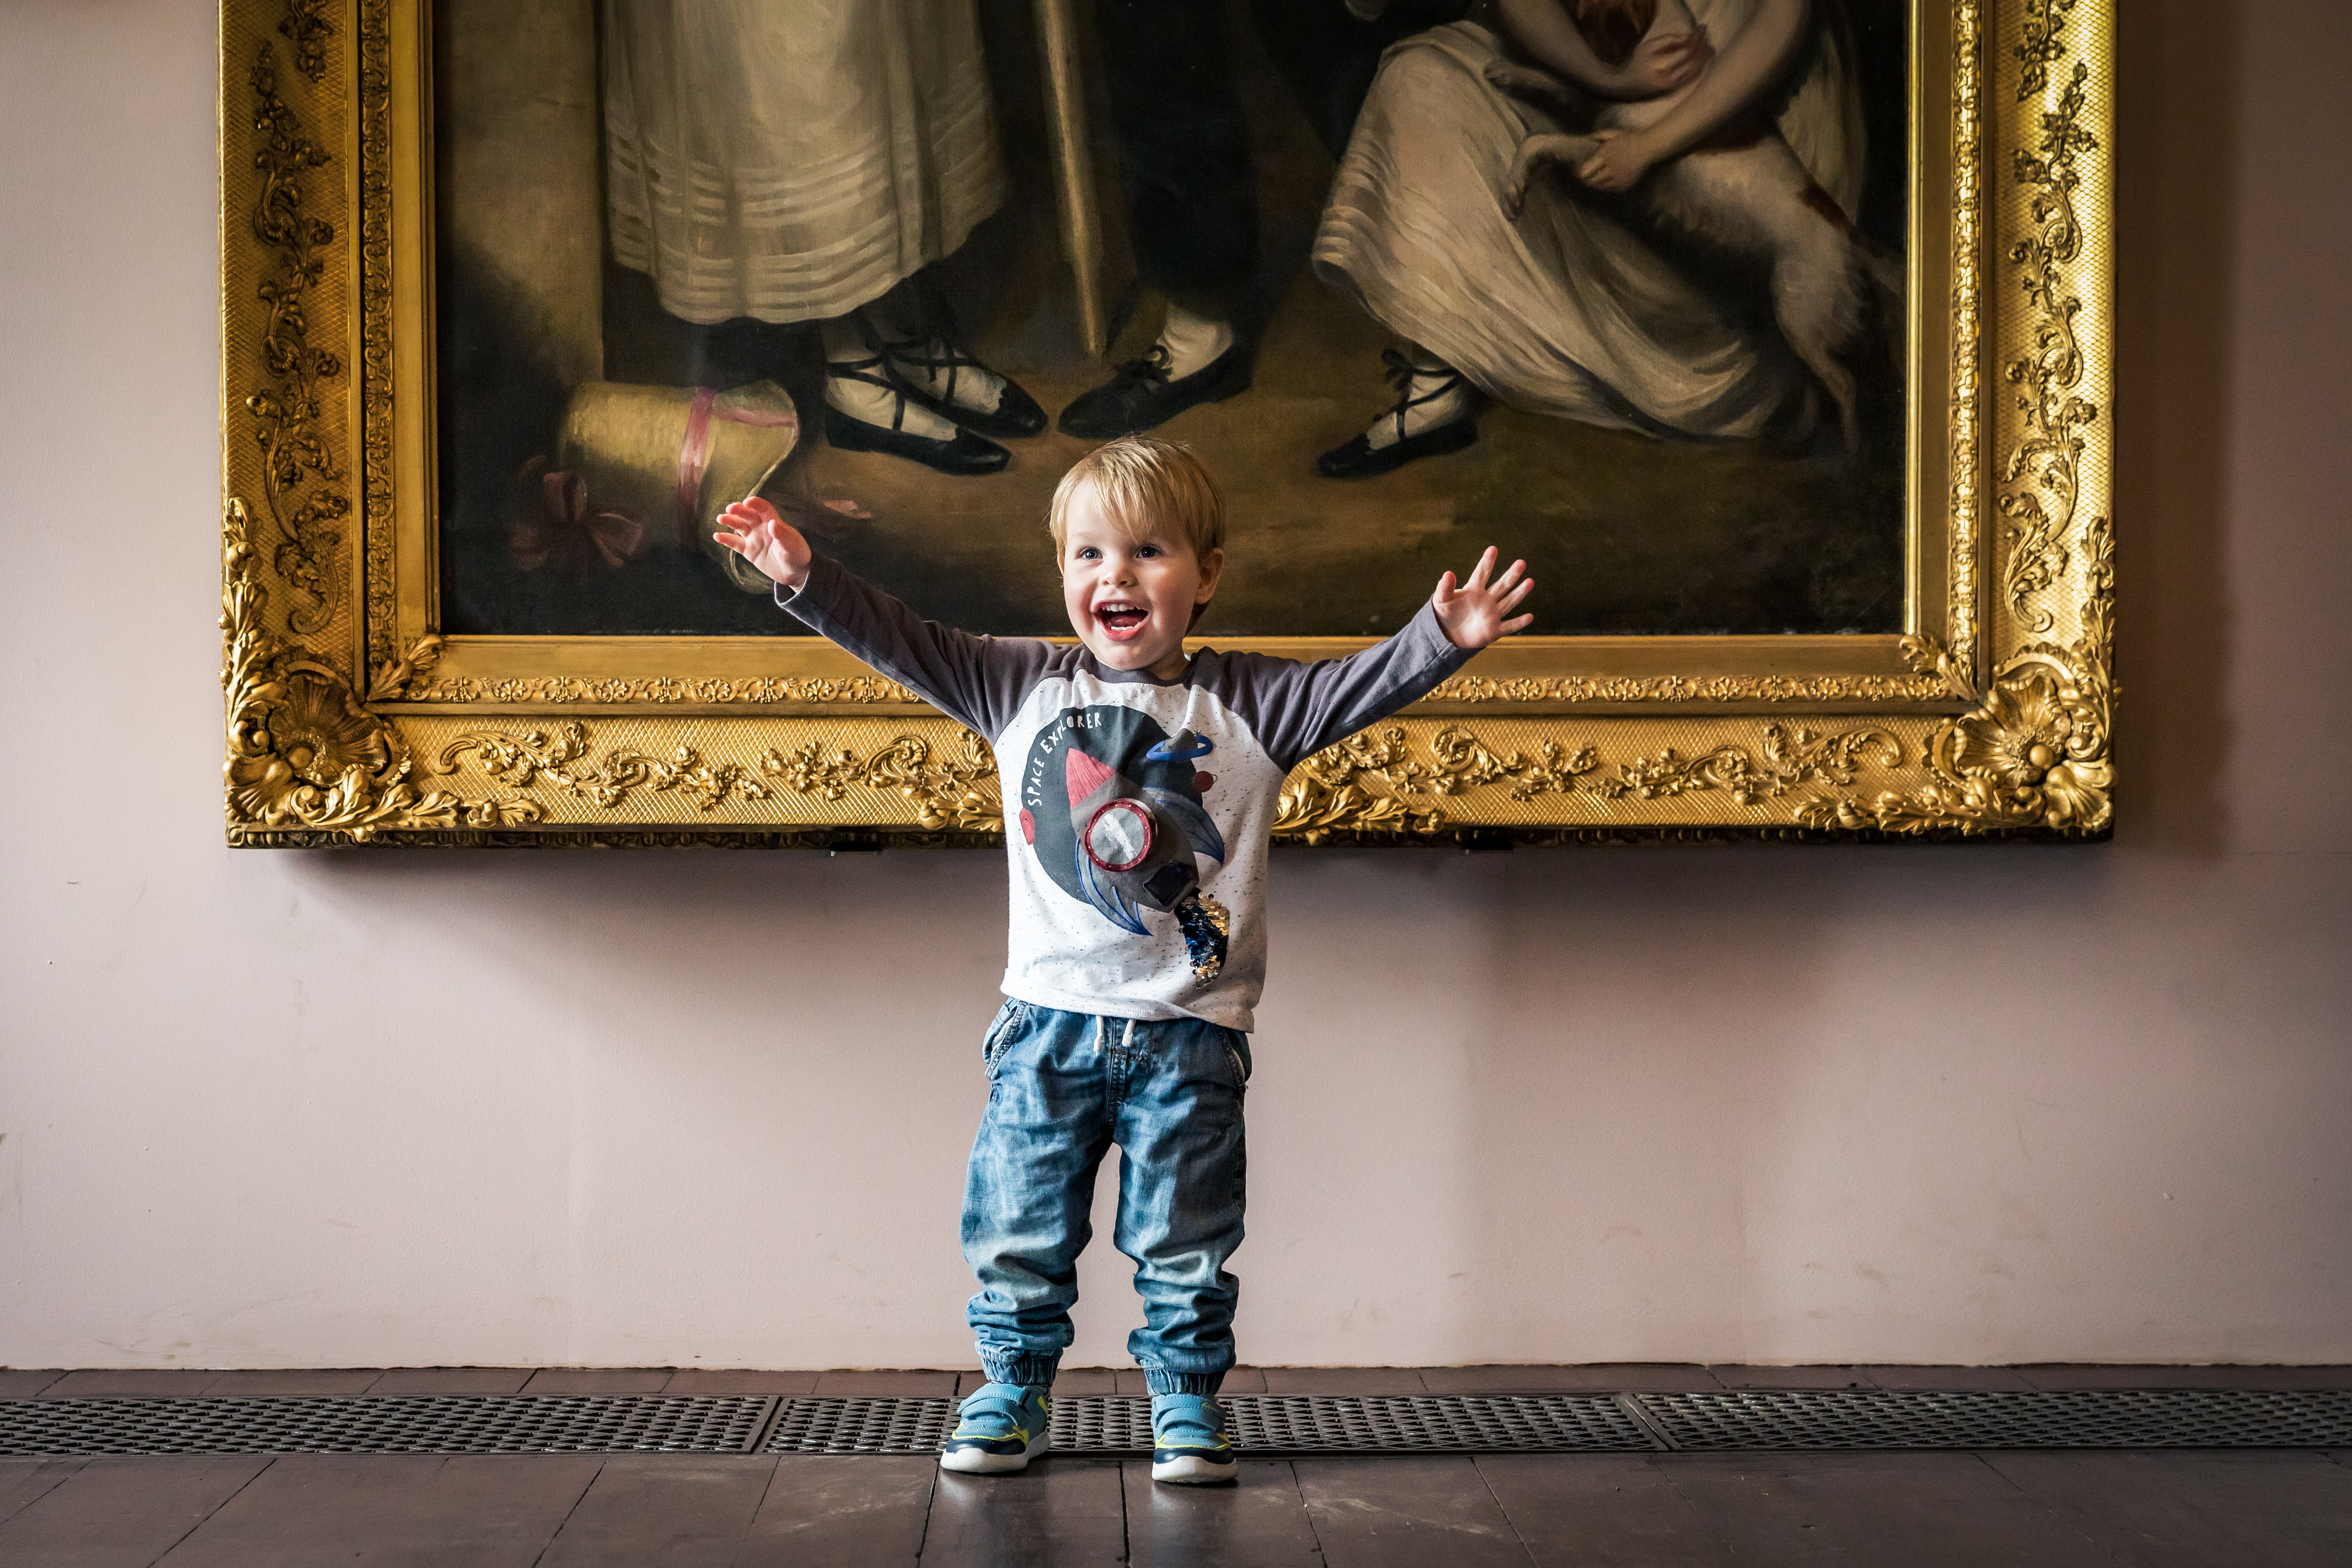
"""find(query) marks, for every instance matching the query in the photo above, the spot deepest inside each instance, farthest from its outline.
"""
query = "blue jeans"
(1063, 1088)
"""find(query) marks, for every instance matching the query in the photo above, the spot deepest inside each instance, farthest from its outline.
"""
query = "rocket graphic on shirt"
(1111, 804)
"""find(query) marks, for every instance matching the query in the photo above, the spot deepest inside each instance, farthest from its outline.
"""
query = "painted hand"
(1620, 162)
(1669, 61)
(1473, 614)
(759, 533)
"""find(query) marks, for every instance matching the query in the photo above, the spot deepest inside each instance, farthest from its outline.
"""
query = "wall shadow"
(2179, 132)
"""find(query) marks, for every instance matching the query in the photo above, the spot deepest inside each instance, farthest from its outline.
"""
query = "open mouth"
(1121, 619)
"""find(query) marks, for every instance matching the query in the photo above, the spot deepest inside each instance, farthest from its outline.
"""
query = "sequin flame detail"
(1204, 922)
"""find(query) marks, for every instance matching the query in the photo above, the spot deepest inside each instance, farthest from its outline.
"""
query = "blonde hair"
(1144, 485)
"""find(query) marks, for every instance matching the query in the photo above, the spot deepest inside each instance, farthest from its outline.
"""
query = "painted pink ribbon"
(694, 455)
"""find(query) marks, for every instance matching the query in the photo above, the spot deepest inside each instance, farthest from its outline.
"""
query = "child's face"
(1131, 600)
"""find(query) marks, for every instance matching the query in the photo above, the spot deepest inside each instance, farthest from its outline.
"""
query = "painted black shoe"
(1015, 415)
(1360, 459)
(1141, 393)
(1356, 459)
(967, 454)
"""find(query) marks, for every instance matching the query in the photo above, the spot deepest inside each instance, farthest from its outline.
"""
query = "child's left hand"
(1619, 163)
(1472, 612)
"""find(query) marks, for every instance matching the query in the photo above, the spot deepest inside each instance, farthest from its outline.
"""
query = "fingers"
(1510, 600)
(1486, 565)
(734, 542)
(1519, 568)
(1446, 588)
(1516, 624)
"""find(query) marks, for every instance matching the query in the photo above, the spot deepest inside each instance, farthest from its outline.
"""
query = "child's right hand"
(759, 533)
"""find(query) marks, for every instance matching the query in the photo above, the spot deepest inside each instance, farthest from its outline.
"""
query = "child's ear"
(1212, 567)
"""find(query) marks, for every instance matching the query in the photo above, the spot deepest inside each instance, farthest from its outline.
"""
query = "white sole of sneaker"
(979, 1462)
(1191, 1470)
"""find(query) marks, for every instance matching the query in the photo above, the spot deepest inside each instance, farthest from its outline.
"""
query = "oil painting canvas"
(1618, 285)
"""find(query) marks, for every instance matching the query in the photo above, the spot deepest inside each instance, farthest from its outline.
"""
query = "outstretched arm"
(1753, 62)
(979, 682)
(1297, 710)
(1544, 32)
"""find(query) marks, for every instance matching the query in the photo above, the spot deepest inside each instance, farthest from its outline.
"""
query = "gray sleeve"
(977, 681)
(1297, 709)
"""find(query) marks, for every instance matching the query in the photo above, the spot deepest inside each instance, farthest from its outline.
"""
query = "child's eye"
(1146, 551)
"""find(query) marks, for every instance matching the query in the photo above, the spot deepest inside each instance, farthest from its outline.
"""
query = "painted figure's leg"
(1031, 1185)
(1183, 1181)
(1183, 146)
(1191, 205)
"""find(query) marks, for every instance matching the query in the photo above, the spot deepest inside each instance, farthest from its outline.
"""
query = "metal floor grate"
(1764, 1420)
(448, 1423)
(1274, 1423)
(2104, 1418)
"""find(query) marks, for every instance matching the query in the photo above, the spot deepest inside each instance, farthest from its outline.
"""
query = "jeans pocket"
(1239, 1068)
(1008, 1022)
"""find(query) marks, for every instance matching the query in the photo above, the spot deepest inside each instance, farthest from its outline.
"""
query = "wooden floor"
(2243, 1509)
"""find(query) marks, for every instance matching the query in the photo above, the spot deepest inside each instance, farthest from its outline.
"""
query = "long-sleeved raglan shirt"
(1139, 811)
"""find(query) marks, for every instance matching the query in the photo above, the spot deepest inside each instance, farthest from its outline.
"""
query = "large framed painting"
(1773, 334)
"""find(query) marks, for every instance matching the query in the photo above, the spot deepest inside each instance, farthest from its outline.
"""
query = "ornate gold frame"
(350, 720)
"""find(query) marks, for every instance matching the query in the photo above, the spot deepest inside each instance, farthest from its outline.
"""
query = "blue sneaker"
(1189, 1445)
(1000, 1428)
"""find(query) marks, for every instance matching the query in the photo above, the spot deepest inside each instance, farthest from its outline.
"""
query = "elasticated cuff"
(1027, 1371)
(1204, 1383)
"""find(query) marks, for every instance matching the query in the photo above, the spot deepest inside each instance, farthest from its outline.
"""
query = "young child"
(1143, 783)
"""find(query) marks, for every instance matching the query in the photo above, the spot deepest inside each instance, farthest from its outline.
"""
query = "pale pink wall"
(1949, 1104)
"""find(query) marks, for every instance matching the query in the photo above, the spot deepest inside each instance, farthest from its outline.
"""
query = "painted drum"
(1118, 835)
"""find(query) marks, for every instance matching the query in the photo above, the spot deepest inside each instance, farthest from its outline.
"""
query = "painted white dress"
(1566, 312)
(791, 160)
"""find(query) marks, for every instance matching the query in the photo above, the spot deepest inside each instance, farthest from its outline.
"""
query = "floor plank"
(1790, 1377)
(1602, 1378)
(452, 1379)
(494, 1511)
(1599, 1510)
(25, 1381)
(835, 1508)
(1058, 1511)
(1259, 1521)
(23, 1482)
(1406, 1513)
(117, 1510)
(2003, 1379)
(131, 1382)
(2189, 1508)
(1343, 1380)
(679, 1511)
(598, 1380)
(714, 1380)
(886, 1384)
(1922, 1511)
(292, 1384)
